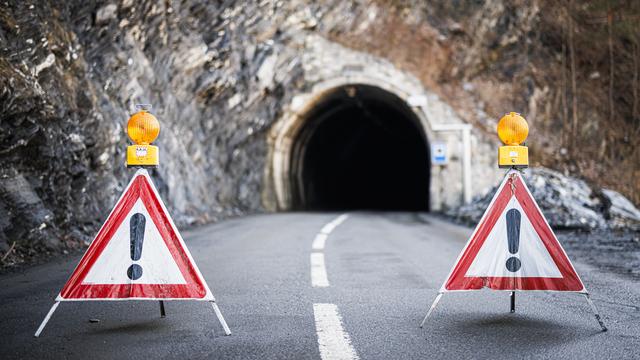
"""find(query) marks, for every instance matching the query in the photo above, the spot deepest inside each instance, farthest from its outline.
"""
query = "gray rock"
(106, 13)
(622, 211)
(565, 201)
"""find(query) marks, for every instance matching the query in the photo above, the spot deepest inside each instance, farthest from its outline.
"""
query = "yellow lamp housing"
(513, 131)
(143, 128)
(142, 155)
(513, 157)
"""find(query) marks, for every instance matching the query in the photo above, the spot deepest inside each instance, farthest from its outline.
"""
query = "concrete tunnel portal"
(359, 147)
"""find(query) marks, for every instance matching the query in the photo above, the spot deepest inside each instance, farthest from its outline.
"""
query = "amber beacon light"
(513, 130)
(143, 128)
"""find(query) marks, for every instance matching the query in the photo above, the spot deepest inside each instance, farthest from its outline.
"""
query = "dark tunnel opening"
(361, 148)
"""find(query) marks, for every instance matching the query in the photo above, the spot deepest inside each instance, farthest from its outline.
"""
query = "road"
(382, 272)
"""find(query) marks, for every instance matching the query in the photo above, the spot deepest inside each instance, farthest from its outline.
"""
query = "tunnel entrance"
(360, 147)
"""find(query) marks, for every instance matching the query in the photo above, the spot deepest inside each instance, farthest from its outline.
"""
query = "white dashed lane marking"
(334, 343)
(327, 229)
(319, 241)
(318, 269)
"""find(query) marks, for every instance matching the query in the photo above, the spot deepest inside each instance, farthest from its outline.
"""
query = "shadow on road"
(518, 330)
(134, 327)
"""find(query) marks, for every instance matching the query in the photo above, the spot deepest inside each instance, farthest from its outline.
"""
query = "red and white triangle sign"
(137, 254)
(513, 248)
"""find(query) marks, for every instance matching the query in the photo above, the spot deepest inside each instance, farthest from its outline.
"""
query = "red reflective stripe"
(569, 280)
(140, 188)
(457, 280)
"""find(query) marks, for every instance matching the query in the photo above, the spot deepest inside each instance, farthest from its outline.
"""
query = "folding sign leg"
(46, 318)
(433, 306)
(162, 313)
(595, 312)
(513, 302)
(227, 331)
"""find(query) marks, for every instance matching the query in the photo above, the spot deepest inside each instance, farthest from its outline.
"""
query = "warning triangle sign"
(137, 254)
(513, 248)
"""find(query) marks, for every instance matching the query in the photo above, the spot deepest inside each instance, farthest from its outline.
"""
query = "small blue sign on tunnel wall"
(439, 153)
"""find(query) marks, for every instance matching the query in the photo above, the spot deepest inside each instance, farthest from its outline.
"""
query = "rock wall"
(70, 74)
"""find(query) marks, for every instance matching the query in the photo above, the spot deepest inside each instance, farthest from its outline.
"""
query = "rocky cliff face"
(218, 75)
(70, 73)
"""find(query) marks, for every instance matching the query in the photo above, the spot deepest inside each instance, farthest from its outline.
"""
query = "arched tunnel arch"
(359, 147)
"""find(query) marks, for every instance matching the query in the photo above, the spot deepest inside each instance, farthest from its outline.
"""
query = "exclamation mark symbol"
(136, 231)
(513, 237)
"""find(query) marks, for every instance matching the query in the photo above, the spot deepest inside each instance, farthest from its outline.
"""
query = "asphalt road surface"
(361, 295)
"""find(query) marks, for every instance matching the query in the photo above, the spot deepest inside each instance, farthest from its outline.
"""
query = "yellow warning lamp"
(513, 130)
(143, 128)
